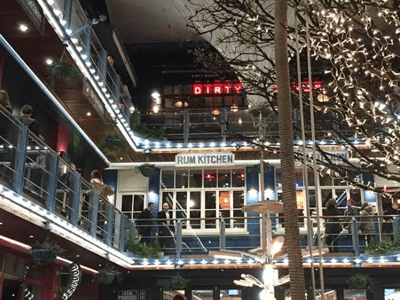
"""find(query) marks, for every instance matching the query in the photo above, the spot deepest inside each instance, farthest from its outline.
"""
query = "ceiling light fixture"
(23, 27)
(49, 61)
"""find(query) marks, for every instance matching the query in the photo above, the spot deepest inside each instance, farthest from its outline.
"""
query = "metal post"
(51, 181)
(224, 121)
(304, 167)
(93, 210)
(117, 90)
(88, 42)
(178, 238)
(222, 236)
(132, 229)
(316, 176)
(186, 127)
(110, 223)
(19, 160)
(396, 226)
(354, 234)
(122, 233)
(68, 13)
(75, 197)
(263, 229)
(103, 64)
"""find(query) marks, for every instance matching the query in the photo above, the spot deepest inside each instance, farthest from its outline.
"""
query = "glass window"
(210, 178)
(202, 294)
(195, 209)
(182, 179)
(230, 295)
(169, 103)
(224, 178)
(325, 196)
(210, 209)
(238, 203)
(167, 179)
(325, 180)
(168, 89)
(238, 178)
(358, 294)
(196, 178)
(132, 205)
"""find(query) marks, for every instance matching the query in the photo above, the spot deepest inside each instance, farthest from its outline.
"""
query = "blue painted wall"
(154, 191)
(110, 177)
(368, 195)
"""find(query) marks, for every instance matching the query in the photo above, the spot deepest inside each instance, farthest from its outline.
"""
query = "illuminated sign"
(204, 159)
(305, 86)
(74, 280)
(216, 88)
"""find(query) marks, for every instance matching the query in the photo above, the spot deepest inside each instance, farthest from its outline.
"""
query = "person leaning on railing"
(97, 183)
(5, 101)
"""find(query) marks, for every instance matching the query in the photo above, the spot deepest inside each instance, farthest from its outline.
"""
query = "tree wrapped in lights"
(354, 46)
(355, 51)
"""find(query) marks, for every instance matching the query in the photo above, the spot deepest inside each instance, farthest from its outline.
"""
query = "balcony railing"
(37, 179)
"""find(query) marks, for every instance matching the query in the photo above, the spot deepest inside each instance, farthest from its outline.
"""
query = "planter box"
(43, 256)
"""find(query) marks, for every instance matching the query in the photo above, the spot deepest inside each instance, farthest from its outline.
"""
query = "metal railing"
(71, 16)
(31, 169)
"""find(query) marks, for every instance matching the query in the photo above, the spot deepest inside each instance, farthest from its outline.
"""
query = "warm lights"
(23, 28)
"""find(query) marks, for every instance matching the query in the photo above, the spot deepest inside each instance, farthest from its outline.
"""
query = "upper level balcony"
(42, 189)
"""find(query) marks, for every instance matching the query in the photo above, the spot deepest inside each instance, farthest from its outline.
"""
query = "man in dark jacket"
(145, 223)
(166, 228)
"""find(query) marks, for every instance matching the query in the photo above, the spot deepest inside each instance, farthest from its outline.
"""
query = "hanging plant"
(145, 131)
(359, 281)
(256, 168)
(107, 275)
(177, 283)
(46, 252)
(384, 247)
(146, 170)
(65, 68)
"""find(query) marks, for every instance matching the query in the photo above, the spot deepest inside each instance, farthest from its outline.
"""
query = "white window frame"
(133, 194)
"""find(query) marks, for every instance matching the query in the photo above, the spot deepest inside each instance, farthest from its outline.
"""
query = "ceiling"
(143, 21)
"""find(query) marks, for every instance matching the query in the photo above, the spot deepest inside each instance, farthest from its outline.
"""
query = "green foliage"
(384, 247)
(144, 250)
(114, 143)
(256, 168)
(107, 272)
(145, 131)
(359, 281)
(66, 69)
(139, 169)
(177, 283)
(48, 245)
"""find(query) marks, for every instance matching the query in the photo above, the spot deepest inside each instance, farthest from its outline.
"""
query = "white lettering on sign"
(334, 156)
(204, 159)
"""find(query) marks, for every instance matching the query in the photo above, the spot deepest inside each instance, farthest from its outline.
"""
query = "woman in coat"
(367, 225)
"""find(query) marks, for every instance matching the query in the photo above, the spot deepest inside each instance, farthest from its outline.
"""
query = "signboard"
(204, 159)
(94, 100)
(217, 88)
(35, 12)
(334, 156)
(132, 295)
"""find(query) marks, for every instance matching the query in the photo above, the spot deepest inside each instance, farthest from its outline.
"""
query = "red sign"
(216, 88)
(305, 86)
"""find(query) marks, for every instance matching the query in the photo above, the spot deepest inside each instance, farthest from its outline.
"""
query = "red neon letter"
(238, 88)
(197, 89)
(208, 89)
(217, 88)
(227, 88)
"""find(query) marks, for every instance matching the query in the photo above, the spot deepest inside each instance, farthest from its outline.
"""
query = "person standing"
(332, 225)
(351, 212)
(146, 223)
(25, 118)
(367, 224)
(166, 228)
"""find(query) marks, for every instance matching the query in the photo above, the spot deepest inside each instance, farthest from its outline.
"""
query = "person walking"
(332, 226)
(166, 228)
(367, 225)
(146, 223)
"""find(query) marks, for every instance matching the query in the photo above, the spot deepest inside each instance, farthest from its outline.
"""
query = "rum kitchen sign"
(223, 158)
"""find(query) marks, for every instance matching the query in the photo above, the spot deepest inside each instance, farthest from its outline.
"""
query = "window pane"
(195, 200)
(238, 223)
(310, 174)
(167, 179)
(210, 209)
(182, 179)
(341, 197)
(325, 196)
(238, 199)
(195, 224)
(138, 205)
(238, 177)
(126, 203)
(355, 194)
(210, 178)
(196, 178)
(238, 203)
(230, 295)
(224, 178)
(225, 206)
(325, 180)
(202, 294)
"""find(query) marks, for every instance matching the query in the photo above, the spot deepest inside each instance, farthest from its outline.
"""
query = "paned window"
(133, 204)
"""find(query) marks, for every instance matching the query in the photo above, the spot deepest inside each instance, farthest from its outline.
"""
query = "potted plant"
(359, 281)
(146, 170)
(143, 250)
(107, 275)
(177, 283)
(45, 252)
(384, 247)
(65, 68)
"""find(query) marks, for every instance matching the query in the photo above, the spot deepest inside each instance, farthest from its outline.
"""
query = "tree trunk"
(296, 272)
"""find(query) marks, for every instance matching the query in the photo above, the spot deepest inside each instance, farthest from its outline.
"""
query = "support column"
(51, 282)
(1, 284)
